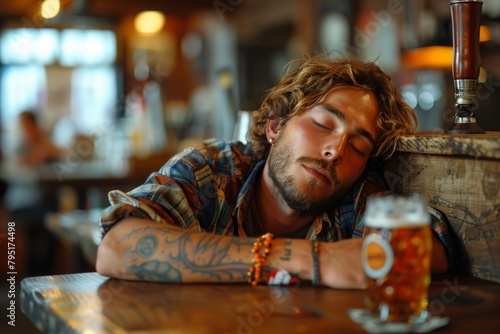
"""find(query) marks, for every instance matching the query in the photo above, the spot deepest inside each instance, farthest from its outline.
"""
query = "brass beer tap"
(465, 19)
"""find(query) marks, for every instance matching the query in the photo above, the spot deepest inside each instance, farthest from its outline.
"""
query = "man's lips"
(319, 173)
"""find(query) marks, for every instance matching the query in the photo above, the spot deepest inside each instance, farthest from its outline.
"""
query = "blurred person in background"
(26, 202)
(36, 148)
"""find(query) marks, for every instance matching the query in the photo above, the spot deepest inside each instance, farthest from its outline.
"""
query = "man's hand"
(340, 264)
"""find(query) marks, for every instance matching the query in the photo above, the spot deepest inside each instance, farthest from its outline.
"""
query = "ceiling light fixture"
(149, 22)
(50, 8)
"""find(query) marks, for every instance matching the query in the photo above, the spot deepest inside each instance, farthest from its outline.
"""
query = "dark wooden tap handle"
(465, 19)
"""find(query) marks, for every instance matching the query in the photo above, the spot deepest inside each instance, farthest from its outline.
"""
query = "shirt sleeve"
(171, 195)
(440, 226)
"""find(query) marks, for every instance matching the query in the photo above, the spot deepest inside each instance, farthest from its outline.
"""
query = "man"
(228, 212)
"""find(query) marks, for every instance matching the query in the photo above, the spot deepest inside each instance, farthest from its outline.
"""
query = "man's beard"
(281, 158)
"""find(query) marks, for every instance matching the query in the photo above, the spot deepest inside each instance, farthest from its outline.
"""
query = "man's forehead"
(344, 88)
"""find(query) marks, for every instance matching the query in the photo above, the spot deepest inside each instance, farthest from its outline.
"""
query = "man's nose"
(334, 148)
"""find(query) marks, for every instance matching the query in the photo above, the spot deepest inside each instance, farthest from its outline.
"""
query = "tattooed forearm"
(175, 255)
(143, 249)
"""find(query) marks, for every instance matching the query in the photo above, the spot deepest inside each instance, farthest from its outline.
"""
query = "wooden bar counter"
(90, 303)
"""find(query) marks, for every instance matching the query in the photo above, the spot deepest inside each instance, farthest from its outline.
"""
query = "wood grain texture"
(478, 146)
(90, 303)
(463, 183)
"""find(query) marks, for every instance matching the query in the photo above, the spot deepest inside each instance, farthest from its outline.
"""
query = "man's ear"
(272, 128)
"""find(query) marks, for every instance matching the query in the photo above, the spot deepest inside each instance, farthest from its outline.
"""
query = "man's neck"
(277, 217)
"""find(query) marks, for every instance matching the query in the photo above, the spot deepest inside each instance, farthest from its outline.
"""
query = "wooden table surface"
(90, 303)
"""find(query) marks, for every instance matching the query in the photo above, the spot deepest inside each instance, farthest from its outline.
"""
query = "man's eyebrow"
(341, 116)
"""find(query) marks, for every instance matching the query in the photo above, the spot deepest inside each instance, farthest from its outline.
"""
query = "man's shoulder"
(216, 149)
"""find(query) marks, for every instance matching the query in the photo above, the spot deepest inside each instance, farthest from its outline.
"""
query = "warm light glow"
(50, 8)
(149, 22)
(226, 79)
(484, 34)
(429, 57)
(436, 56)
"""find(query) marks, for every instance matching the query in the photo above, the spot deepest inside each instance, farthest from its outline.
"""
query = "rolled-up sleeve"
(124, 205)
(167, 196)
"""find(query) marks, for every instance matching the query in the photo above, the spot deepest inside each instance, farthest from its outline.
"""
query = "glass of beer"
(396, 257)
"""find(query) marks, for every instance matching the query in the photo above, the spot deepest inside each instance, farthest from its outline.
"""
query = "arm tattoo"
(288, 250)
(210, 255)
(147, 245)
(157, 271)
(178, 253)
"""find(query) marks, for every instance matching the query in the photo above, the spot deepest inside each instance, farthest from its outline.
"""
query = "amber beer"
(396, 256)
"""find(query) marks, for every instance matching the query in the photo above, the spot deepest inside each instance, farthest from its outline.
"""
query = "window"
(63, 74)
(29, 46)
(87, 47)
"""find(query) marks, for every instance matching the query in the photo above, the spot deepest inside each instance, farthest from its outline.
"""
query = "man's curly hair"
(307, 80)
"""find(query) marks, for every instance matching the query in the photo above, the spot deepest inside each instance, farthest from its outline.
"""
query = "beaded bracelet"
(260, 250)
(315, 255)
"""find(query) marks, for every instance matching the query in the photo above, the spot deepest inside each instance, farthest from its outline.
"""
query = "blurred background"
(94, 95)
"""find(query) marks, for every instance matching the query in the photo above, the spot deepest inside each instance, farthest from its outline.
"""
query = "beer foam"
(396, 210)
